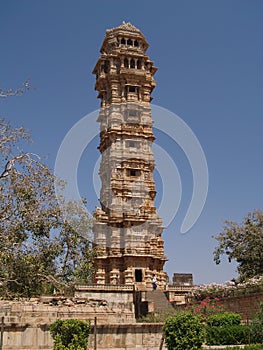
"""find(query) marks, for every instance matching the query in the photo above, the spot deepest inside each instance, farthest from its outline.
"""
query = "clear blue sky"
(209, 56)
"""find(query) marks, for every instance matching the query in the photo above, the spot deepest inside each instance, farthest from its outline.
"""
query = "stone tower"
(127, 229)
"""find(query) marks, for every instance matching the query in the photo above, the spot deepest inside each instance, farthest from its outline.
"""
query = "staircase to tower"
(159, 300)
(148, 302)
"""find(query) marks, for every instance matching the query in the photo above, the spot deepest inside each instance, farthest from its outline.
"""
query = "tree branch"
(18, 92)
(10, 164)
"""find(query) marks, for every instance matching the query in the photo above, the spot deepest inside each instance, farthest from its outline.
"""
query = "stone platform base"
(26, 322)
(128, 336)
(138, 336)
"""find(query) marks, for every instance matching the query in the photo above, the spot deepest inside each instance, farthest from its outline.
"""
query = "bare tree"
(17, 92)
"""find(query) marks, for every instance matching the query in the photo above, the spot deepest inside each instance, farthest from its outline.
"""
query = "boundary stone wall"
(246, 305)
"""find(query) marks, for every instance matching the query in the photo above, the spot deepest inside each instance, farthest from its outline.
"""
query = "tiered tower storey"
(127, 230)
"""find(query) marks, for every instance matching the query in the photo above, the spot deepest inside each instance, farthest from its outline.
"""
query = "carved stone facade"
(127, 228)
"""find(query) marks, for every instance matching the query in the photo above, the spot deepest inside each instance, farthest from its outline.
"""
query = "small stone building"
(183, 279)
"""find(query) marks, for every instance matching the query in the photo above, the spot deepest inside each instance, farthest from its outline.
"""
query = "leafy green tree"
(39, 249)
(243, 242)
(70, 334)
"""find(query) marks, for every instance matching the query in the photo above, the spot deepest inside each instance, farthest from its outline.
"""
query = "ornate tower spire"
(127, 229)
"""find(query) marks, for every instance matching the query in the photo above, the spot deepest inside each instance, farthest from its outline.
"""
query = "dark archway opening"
(138, 275)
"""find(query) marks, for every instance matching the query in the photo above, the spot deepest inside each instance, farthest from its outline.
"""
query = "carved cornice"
(125, 26)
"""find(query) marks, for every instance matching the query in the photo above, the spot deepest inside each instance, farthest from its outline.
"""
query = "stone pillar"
(148, 278)
(115, 276)
(129, 279)
(100, 276)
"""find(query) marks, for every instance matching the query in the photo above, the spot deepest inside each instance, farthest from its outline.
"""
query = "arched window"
(132, 88)
(132, 64)
(123, 41)
(138, 275)
(133, 172)
(126, 63)
(131, 143)
(129, 42)
(132, 112)
(139, 64)
(136, 43)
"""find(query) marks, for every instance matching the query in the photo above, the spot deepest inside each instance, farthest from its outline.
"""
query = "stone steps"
(159, 300)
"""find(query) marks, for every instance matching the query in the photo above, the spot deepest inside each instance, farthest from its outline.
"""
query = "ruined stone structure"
(127, 229)
(183, 279)
(26, 323)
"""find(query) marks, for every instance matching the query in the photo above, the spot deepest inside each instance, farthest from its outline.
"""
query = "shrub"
(224, 319)
(227, 335)
(207, 306)
(184, 331)
(70, 334)
(257, 327)
(256, 332)
(158, 316)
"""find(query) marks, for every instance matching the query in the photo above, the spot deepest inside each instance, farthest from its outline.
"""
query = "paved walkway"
(222, 346)
(203, 347)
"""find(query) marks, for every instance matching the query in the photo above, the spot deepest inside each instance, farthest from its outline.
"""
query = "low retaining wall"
(115, 337)
(26, 323)
(27, 337)
(137, 336)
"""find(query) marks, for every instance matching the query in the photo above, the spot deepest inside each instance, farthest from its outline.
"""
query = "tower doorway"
(138, 275)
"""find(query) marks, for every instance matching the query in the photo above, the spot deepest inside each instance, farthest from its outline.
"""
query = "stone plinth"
(140, 336)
